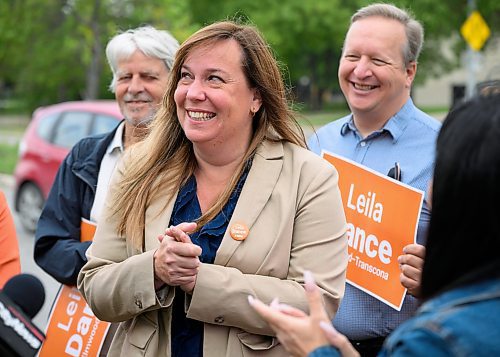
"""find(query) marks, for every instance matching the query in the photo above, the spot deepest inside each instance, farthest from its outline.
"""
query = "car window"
(72, 127)
(103, 124)
(44, 129)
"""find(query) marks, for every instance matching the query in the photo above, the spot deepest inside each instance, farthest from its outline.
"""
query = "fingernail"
(275, 302)
(309, 282)
(251, 299)
(284, 307)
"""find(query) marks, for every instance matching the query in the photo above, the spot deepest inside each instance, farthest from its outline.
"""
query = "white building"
(438, 92)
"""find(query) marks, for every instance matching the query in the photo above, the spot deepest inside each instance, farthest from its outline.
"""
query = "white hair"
(150, 41)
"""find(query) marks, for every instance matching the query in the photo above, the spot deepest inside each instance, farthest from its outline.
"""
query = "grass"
(8, 153)
(318, 119)
(14, 131)
(12, 127)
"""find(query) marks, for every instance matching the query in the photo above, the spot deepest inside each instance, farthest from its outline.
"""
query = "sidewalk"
(12, 128)
(15, 119)
(7, 181)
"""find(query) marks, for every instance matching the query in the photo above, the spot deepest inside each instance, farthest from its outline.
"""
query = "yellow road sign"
(475, 30)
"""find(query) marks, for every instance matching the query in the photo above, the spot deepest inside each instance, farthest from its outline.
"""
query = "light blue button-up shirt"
(408, 138)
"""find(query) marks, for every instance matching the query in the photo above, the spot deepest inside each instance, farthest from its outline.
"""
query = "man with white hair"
(140, 60)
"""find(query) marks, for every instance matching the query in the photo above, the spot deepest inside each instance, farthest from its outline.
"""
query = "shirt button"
(363, 144)
(219, 319)
(138, 303)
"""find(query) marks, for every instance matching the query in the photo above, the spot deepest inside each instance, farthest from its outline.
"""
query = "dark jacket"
(58, 249)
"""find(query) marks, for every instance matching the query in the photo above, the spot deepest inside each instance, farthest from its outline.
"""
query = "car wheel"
(30, 203)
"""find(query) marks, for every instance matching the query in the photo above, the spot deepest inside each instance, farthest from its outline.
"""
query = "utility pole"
(472, 59)
(475, 32)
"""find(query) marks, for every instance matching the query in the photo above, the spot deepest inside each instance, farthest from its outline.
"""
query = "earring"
(252, 111)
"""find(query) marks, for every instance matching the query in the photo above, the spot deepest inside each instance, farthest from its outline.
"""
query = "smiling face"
(214, 99)
(372, 72)
(141, 83)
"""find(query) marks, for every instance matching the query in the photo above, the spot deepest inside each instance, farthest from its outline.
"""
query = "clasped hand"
(176, 261)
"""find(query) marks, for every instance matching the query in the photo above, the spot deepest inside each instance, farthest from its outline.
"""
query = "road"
(28, 265)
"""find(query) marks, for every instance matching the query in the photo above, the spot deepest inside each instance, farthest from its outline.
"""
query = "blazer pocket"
(257, 342)
(141, 332)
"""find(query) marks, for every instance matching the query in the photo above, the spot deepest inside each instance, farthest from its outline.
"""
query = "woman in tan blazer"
(222, 200)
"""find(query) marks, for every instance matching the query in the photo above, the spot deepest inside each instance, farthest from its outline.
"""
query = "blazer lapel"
(263, 175)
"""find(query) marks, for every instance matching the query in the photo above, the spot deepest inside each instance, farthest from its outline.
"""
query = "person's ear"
(256, 101)
(411, 71)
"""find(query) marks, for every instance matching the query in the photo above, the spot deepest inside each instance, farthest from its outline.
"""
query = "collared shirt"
(408, 138)
(107, 167)
(187, 334)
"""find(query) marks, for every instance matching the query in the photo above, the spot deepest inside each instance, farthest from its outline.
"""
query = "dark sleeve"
(58, 249)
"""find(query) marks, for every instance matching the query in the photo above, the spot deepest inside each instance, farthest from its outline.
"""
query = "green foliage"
(306, 36)
(9, 155)
(53, 50)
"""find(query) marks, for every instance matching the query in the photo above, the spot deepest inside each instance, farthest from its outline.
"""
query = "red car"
(52, 132)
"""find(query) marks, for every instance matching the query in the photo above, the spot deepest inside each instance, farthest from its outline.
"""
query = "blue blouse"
(187, 334)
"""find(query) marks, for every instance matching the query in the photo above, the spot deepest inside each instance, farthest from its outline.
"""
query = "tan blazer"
(292, 206)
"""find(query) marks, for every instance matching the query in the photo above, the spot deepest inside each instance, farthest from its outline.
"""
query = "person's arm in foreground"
(302, 334)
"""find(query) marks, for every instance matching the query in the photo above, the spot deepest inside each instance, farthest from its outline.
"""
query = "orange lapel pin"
(239, 231)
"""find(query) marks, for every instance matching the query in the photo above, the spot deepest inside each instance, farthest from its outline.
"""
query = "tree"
(53, 50)
(307, 37)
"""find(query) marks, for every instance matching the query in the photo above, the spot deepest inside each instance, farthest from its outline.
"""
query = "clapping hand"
(176, 261)
(298, 332)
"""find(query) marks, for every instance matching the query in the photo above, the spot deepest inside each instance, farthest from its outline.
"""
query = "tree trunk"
(93, 75)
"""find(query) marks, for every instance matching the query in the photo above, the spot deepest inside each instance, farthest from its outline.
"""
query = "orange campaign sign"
(87, 230)
(73, 329)
(382, 217)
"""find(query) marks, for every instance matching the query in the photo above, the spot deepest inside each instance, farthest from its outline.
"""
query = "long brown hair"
(165, 159)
